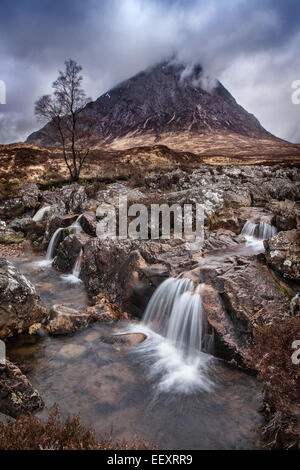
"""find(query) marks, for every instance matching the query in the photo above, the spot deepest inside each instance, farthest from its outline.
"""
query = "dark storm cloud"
(252, 46)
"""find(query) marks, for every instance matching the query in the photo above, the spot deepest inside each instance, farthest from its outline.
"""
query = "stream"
(149, 392)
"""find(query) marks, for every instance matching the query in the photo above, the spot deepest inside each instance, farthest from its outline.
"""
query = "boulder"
(20, 306)
(28, 227)
(111, 194)
(219, 240)
(65, 320)
(23, 225)
(26, 202)
(68, 251)
(283, 254)
(287, 215)
(17, 395)
(239, 295)
(128, 271)
(72, 199)
(88, 223)
(54, 222)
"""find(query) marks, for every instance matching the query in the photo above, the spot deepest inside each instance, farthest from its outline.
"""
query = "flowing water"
(167, 390)
(160, 391)
(255, 234)
(74, 278)
(40, 213)
(55, 240)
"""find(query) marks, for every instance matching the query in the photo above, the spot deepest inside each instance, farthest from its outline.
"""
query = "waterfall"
(185, 327)
(76, 225)
(260, 231)
(74, 277)
(55, 238)
(266, 231)
(74, 228)
(161, 304)
(174, 325)
(53, 244)
(77, 266)
(175, 311)
(40, 213)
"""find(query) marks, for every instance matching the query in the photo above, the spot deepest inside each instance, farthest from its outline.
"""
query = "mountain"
(165, 100)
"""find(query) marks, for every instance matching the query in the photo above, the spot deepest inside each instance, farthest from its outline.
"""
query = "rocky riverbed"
(250, 285)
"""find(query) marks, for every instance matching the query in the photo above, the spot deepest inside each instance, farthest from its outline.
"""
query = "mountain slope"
(167, 99)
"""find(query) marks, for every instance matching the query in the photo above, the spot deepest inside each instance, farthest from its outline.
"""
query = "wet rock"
(71, 351)
(17, 396)
(128, 271)
(283, 254)
(27, 226)
(235, 219)
(68, 251)
(244, 296)
(220, 239)
(65, 320)
(54, 222)
(287, 215)
(226, 342)
(102, 311)
(20, 306)
(88, 223)
(129, 340)
(36, 329)
(93, 336)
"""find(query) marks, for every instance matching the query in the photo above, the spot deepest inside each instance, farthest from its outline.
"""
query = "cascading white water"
(173, 323)
(255, 234)
(266, 231)
(185, 326)
(40, 213)
(175, 311)
(53, 244)
(74, 277)
(160, 306)
(76, 227)
(77, 266)
(260, 231)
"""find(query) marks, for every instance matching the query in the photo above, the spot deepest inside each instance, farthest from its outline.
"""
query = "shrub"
(281, 381)
(32, 433)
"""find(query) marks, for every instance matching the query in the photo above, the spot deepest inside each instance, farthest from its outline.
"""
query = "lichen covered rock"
(283, 254)
(17, 395)
(20, 305)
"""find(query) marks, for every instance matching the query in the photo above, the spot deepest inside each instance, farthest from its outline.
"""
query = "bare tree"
(63, 112)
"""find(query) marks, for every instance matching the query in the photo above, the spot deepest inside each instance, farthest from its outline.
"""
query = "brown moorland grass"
(56, 433)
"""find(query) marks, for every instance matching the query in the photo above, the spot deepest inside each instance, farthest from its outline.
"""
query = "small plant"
(281, 381)
(56, 433)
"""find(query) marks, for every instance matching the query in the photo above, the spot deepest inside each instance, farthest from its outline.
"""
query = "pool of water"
(148, 392)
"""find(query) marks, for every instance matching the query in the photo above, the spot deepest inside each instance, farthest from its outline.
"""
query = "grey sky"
(252, 47)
